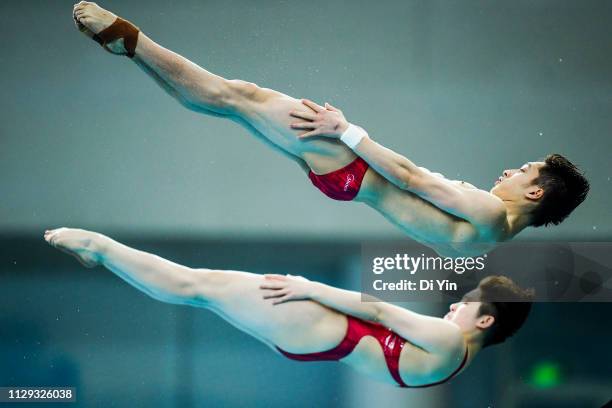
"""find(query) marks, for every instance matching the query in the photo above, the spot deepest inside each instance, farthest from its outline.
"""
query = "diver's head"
(548, 190)
(492, 312)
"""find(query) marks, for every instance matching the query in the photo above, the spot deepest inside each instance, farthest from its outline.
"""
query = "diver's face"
(516, 183)
(464, 314)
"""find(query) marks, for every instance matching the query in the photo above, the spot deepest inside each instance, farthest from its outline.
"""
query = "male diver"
(452, 217)
(310, 321)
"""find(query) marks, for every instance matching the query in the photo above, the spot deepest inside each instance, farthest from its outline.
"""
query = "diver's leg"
(299, 326)
(263, 111)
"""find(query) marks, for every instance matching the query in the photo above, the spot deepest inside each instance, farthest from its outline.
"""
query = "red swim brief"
(342, 184)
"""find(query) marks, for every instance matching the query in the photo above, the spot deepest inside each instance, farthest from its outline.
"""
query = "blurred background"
(87, 140)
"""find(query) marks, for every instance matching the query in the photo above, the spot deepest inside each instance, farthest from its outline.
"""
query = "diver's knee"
(210, 284)
(242, 93)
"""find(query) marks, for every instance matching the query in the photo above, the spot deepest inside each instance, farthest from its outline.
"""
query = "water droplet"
(541, 133)
(594, 227)
(560, 59)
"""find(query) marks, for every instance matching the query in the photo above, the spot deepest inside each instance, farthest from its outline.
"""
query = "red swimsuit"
(390, 342)
(342, 184)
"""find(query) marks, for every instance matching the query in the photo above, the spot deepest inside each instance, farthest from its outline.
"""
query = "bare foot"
(81, 244)
(90, 19)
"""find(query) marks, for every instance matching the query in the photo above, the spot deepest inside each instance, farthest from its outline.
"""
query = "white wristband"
(353, 135)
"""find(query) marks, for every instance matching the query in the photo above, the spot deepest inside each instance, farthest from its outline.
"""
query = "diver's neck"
(473, 342)
(518, 218)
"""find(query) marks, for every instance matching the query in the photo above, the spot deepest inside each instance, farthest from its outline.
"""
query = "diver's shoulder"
(453, 343)
(491, 209)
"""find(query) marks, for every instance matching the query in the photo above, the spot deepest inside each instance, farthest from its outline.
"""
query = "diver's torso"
(416, 367)
(446, 234)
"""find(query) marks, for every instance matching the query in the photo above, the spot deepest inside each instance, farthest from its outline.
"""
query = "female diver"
(311, 321)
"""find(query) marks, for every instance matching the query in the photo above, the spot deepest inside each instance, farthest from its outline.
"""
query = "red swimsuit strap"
(454, 373)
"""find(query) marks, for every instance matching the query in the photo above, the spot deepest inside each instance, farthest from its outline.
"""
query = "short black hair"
(507, 302)
(565, 187)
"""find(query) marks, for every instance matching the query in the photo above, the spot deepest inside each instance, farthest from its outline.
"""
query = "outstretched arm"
(474, 205)
(430, 333)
